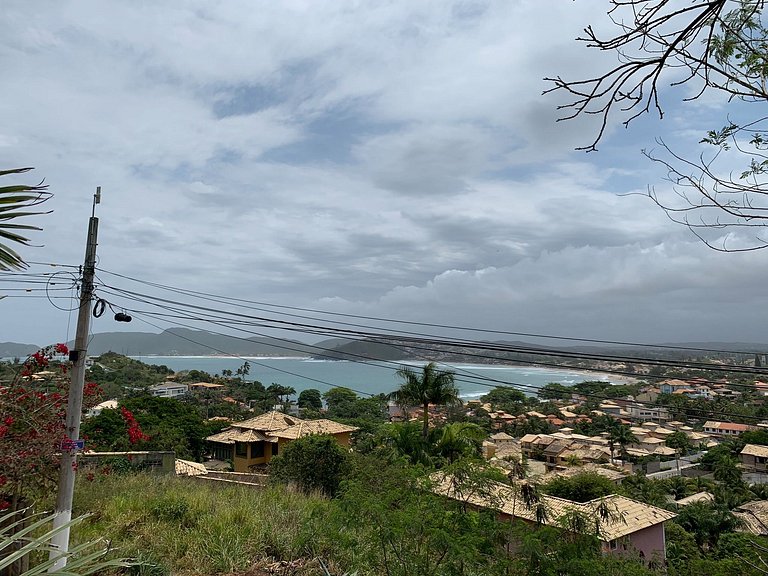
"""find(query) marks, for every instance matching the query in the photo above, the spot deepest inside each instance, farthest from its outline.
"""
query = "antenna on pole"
(96, 200)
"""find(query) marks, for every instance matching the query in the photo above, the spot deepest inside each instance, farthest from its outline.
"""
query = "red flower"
(9, 421)
(61, 349)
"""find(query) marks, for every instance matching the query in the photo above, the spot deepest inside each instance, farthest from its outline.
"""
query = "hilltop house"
(255, 441)
(635, 528)
(168, 390)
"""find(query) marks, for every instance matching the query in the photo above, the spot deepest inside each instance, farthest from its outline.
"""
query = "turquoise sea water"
(473, 380)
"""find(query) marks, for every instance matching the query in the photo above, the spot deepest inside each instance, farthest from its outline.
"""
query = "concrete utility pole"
(69, 447)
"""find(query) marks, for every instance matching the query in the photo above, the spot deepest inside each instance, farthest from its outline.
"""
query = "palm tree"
(458, 439)
(621, 435)
(432, 386)
(15, 201)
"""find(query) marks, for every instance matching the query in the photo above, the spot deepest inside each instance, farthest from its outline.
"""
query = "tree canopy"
(431, 386)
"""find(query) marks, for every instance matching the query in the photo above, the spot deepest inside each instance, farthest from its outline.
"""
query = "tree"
(555, 391)
(339, 401)
(404, 440)
(313, 463)
(622, 435)
(310, 398)
(432, 386)
(457, 440)
(679, 441)
(716, 46)
(15, 202)
(581, 487)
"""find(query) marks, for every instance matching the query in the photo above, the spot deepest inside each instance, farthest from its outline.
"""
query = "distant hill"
(14, 349)
(186, 342)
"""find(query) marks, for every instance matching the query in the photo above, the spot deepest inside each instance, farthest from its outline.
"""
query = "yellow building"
(255, 441)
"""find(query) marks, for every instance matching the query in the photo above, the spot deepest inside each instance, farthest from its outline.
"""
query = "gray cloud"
(395, 160)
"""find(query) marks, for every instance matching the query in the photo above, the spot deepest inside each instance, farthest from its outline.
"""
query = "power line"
(418, 338)
(226, 299)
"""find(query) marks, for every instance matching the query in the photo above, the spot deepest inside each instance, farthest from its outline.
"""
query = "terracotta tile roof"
(232, 435)
(308, 427)
(698, 497)
(187, 468)
(634, 515)
(754, 517)
(270, 421)
(755, 450)
(726, 426)
(206, 385)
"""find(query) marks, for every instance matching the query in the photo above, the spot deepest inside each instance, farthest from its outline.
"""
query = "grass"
(183, 526)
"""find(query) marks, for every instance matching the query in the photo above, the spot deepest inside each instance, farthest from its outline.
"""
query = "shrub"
(313, 463)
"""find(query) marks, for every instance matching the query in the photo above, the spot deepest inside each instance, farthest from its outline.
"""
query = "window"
(257, 449)
(241, 449)
(275, 448)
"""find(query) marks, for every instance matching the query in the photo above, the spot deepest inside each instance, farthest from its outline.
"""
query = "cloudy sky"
(391, 158)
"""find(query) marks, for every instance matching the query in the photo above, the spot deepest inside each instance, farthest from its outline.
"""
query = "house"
(648, 413)
(255, 441)
(168, 390)
(754, 458)
(106, 405)
(635, 527)
(725, 429)
(669, 386)
(693, 498)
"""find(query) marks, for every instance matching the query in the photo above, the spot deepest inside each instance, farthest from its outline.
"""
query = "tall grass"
(183, 526)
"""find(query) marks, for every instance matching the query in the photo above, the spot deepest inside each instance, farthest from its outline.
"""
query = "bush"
(313, 463)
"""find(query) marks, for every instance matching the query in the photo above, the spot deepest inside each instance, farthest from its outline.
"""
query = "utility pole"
(69, 447)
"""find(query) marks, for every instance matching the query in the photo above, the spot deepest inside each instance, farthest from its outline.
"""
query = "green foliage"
(457, 441)
(431, 386)
(119, 375)
(345, 405)
(170, 424)
(638, 487)
(555, 391)
(312, 463)
(759, 437)
(179, 526)
(706, 522)
(408, 530)
(581, 487)
(21, 538)
(16, 202)
(311, 399)
(679, 441)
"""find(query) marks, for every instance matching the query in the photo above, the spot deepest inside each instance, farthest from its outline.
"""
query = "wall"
(650, 542)
(160, 462)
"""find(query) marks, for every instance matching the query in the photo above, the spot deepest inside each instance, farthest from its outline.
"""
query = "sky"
(393, 159)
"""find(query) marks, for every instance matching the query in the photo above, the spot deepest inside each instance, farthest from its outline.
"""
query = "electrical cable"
(251, 361)
(529, 350)
(225, 299)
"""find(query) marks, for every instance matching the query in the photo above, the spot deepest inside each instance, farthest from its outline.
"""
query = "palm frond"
(18, 541)
(15, 202)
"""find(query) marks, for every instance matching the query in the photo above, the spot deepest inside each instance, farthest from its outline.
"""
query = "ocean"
(473, 380)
